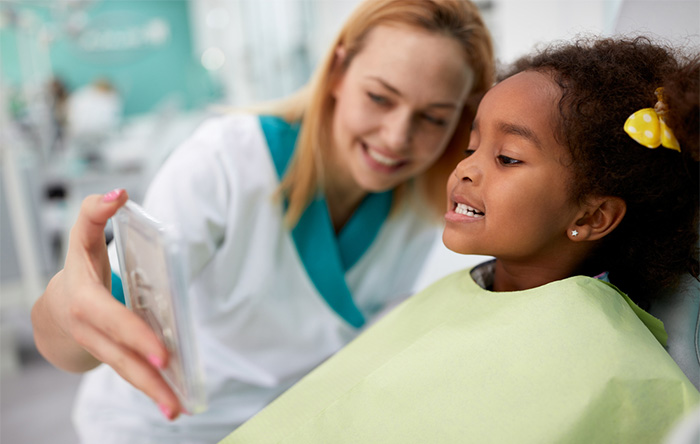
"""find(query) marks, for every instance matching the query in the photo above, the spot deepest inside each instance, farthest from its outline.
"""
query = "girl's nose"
(468, 170)
(398, 128)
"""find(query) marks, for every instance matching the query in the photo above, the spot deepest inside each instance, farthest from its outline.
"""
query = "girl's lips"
(467, 210)
(453, 216)
(460, 211)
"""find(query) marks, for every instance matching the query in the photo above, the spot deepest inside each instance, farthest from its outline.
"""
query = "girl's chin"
(455, 241)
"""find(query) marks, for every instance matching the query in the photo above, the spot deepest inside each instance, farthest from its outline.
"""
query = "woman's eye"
(435, 120)
(379, 100)
(505, 160)
(468, 152)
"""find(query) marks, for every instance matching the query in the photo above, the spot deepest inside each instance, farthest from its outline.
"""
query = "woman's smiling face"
(396, 107)
(509, 197)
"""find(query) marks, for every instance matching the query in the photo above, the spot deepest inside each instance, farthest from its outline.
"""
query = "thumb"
(95, 211)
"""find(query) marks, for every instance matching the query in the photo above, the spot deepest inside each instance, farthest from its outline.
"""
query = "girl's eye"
(379, 100)
(468, 152)
(435, 120)
(505, 160)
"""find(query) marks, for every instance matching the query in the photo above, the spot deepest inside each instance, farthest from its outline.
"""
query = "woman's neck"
(342, 194)
(341, 208)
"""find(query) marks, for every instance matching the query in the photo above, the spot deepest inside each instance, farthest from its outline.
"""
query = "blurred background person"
(93, 114)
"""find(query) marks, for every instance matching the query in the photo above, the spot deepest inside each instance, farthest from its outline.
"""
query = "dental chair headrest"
(679, 310)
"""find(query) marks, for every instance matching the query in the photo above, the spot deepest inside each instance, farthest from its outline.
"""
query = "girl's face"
(509, 197)
(396, 106)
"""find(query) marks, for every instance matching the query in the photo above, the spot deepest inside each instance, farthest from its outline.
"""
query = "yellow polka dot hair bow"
(648, 128)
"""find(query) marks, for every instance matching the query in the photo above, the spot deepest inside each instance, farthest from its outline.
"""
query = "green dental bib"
(566, 362)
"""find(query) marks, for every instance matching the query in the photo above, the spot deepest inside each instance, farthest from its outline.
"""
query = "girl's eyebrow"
(520, 131)
(398, 93)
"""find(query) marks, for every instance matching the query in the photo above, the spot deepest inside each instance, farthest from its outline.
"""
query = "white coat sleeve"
(191, 193)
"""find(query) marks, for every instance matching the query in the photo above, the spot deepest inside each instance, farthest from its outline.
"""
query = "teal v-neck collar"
(327, 257)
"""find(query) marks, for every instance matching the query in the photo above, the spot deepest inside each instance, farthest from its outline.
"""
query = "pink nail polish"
(155, 361)
(112, 195)
(166, 411)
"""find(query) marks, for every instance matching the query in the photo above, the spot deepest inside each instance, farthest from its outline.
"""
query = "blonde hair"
(459, 19)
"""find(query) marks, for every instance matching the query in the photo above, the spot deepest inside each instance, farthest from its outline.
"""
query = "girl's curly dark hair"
(603, 81)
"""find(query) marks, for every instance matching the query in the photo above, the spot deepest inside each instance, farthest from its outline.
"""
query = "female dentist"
(301, 223)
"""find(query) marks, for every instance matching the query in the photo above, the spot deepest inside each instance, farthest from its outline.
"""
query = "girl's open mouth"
(467, 210)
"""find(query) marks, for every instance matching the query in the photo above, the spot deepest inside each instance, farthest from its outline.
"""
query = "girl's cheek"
(451, 182)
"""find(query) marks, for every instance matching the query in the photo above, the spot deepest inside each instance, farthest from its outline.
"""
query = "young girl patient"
(573, 178)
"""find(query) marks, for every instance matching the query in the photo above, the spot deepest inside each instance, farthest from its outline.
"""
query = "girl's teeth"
(468, 211)
(384, 160)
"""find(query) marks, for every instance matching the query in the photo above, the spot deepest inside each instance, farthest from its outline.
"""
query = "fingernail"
(155, 361)
(166, 411)
(112, 195)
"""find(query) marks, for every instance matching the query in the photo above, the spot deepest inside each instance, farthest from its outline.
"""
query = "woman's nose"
(398, 128)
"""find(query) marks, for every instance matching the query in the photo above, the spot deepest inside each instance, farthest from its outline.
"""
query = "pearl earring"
(574, 233)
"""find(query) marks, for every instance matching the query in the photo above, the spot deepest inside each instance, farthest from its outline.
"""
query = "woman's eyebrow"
(398, 93)
(386, 85)
(520, 131)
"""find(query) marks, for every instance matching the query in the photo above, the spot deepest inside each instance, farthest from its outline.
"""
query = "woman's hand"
(78, 323)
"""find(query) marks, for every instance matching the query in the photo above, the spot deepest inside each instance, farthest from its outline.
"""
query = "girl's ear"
(599, 217)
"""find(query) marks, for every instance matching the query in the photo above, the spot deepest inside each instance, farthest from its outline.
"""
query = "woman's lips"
(381, 161)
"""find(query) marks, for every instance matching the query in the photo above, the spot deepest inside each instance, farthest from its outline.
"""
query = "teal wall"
(142, 47)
